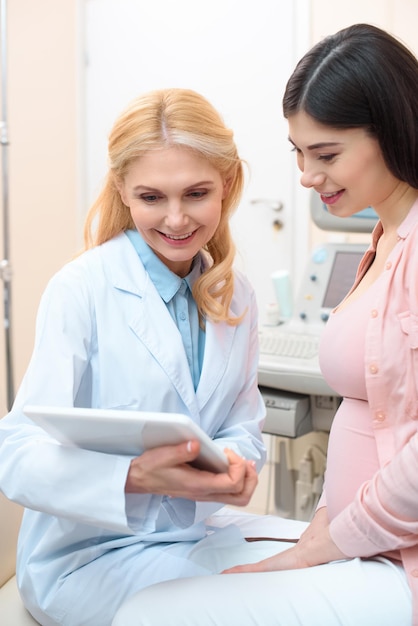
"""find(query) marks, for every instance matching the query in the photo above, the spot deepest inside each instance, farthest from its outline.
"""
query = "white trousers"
(357, 592)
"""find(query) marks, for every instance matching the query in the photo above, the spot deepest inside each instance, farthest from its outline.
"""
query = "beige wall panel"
(42, 113)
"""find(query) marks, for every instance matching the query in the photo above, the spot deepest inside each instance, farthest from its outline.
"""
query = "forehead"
(172, 160)
(306, 133)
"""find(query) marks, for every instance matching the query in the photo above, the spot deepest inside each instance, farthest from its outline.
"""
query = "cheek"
(216, 213)
(371, 177)
(372, 166)
(142, 219)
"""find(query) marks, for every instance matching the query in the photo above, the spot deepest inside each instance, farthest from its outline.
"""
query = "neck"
(395, 208)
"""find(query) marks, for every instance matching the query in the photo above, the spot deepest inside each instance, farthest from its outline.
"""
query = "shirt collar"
(166, 282)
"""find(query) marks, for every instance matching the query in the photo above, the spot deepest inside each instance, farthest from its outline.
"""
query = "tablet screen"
(116, 431)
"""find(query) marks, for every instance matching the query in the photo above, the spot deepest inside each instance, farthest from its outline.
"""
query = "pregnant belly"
(352, 456)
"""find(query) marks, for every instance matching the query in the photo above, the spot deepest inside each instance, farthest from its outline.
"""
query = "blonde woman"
(151, 316)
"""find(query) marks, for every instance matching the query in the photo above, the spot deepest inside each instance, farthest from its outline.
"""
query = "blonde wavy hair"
(161, 119)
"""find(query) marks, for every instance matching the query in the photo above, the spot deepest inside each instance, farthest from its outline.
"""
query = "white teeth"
(178, 237)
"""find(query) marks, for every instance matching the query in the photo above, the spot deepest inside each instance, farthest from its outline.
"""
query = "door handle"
(274, 205)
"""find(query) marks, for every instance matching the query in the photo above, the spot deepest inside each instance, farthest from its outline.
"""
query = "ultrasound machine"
(297, 398)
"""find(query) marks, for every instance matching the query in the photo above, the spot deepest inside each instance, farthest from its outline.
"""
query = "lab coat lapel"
(154, 326)
(218, 353)
(148, 317)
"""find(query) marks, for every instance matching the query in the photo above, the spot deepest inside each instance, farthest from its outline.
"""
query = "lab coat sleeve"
(37, 472)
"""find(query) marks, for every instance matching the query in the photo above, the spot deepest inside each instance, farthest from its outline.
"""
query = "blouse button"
(414, 573)
(374, 313)
(380, 416)
(388, 265)
(373, 368)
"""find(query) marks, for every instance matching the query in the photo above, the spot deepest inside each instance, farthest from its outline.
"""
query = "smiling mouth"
(177, 237)
(332, 194)
(331, 198)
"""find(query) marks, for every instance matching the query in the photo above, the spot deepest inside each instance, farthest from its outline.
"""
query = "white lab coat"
(104, 338)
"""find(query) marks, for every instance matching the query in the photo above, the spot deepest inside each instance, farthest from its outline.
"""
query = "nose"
(312, 176)
(176, 217)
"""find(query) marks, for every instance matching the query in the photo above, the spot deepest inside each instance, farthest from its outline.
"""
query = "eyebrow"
(139, 188)
(321, 144)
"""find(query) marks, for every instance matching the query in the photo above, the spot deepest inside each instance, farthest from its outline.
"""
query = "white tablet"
(117, 431)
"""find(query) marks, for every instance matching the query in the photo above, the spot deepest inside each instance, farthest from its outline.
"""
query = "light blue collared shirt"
(177, 295)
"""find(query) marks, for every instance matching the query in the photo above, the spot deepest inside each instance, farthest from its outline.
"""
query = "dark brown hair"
(362, 77)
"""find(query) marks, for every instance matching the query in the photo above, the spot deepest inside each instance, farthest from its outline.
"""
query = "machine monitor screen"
(341, 278)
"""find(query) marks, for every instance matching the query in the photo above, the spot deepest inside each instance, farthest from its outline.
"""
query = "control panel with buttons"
(331, 273)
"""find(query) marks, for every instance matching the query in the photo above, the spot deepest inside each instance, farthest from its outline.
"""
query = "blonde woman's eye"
(149, 197)
(197, 194)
